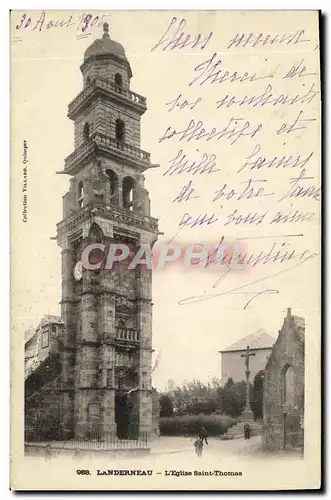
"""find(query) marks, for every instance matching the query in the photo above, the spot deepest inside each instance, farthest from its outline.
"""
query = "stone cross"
(247, 355)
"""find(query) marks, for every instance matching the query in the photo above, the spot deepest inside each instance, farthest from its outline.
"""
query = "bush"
(257, 396)
(232, 397)
(189, 425)
(166, 405)
(195, 397)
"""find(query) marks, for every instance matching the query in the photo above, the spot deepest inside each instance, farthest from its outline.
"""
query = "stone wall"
(283, 414)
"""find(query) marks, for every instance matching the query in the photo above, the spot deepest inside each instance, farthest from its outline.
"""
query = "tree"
(166, 405)
(257, 396)
(232, 397)
(195, 397)
(229, 383)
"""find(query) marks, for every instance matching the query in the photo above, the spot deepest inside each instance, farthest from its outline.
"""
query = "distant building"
(283, 395)
(30, 350)
(42, 374)
(40, 342)
(233, 366)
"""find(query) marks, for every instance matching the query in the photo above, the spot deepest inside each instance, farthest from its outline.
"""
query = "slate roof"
(257, 340)
(48, 318)
(29, 334)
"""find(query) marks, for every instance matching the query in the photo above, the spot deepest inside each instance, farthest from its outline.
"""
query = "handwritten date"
(43, 23)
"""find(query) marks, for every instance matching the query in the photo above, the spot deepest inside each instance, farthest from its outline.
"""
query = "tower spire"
(105, 30)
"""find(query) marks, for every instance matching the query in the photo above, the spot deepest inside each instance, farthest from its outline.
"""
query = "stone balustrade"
(127, 334)
(98, 140)
(109, 86)
(114, 212)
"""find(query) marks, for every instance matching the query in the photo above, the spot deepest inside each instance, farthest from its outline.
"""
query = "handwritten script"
(241, 127)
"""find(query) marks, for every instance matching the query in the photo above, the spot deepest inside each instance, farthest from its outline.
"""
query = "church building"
(283, 396)
(104, 340)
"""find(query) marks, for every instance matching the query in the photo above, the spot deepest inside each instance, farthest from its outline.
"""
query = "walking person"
(198, 446)
(203, 434)
(247, 431)
(48, 452)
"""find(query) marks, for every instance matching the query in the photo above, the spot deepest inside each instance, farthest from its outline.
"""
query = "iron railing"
(92, 440)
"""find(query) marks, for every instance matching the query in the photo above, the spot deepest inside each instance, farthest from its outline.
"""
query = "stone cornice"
(110, 212)
(107, 146)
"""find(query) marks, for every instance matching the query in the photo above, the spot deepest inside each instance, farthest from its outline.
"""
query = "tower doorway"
(122, 416)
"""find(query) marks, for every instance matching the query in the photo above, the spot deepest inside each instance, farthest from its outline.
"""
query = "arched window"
(86, 131)
(95, 233)
(88, 81)
(127, 191)
(118, 80)
(120, 130)
(288, 386)
(80, 195)
(113, 182)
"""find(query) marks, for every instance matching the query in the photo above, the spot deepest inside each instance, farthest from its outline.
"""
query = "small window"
(113, 181)
(88, 81)
(80, 195)
(86, 132)
(118, 80)
(54, 329)
(44, 339)
(127, 191)
(120, 130)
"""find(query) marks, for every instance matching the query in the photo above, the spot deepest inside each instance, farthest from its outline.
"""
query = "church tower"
(107, 313)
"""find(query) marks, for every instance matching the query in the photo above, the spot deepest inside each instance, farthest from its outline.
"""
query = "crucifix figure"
(247, 355)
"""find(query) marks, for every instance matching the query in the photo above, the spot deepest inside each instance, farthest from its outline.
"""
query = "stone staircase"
(237, 430)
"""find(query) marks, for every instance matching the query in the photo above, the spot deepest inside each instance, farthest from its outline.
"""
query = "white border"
(324, 5)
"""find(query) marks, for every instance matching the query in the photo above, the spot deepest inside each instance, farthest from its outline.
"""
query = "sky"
(46, 77)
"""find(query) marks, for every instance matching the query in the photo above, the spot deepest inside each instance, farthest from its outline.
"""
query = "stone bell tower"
(107, 341)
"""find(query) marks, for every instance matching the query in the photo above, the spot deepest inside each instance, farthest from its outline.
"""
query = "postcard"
(165, 250)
